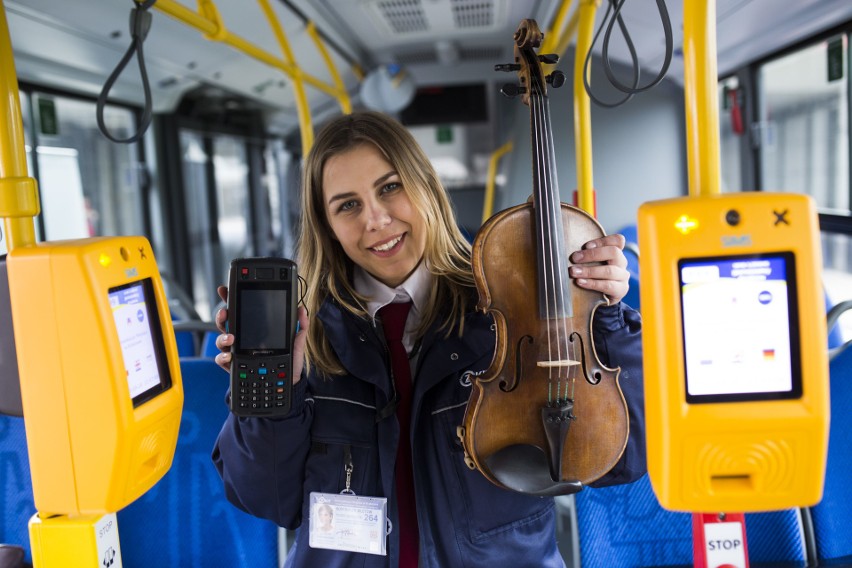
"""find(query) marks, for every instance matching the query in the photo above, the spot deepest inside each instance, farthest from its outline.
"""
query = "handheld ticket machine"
(100, 385)
(734, 344)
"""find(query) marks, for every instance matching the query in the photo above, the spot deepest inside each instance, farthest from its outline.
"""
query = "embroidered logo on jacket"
(465, 379)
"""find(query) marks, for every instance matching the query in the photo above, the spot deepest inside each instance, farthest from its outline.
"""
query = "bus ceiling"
(438, 43)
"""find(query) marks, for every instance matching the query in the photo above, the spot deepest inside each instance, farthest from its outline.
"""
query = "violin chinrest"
(524, 468)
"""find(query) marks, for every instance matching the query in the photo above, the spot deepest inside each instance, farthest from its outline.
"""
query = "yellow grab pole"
(490, 184)
(214, 30)
(568, 34)
(18, 193)
(553, 36)
(701, 96)
(582, 109)
(342, 96)
(306, 128)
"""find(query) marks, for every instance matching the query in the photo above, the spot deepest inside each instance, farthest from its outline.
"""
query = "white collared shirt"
(415, 289)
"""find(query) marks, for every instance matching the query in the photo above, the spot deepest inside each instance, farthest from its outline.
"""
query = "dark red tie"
(393, 322)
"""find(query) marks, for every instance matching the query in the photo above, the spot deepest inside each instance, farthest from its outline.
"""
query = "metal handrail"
(208, 21)
(582, 109)
(556, 33)
(490, 183)
(19, 201)
(701, 96)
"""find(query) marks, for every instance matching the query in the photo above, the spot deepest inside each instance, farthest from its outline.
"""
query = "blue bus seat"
(832, 517)
(631, 252)
(185, 343)
(208, 344)
(632, 296)
(185, 340)
(16, 486)
(185, 519)
(194, 338)
(775, 538)
(625, 526)
(630, 232)
(631, 248)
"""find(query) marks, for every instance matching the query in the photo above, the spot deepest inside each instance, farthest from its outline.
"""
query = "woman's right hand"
(226, 340)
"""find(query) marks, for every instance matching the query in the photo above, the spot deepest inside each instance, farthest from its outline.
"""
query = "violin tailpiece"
(556, 418)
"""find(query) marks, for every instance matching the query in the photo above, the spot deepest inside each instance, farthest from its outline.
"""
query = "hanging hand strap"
(140, 24)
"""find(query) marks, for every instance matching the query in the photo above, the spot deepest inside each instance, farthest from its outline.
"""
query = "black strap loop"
(140, 25)
(634, 88)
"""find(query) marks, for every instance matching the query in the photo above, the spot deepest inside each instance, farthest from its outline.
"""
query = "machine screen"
(263, 319)
(140, 337)
(738, 315)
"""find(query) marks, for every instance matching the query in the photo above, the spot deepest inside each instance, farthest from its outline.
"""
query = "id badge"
(348, 522)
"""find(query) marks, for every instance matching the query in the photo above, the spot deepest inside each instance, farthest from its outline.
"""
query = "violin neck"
(554, 292)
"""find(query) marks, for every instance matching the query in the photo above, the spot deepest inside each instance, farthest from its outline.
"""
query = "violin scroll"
(528, 64)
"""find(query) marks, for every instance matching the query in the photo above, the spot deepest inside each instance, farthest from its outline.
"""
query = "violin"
(547, 416)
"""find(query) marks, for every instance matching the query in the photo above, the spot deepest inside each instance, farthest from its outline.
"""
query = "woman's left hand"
(601, 265)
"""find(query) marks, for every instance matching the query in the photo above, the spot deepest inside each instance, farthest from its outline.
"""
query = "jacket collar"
(349, 336)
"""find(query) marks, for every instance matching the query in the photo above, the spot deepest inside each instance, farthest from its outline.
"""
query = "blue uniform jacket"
(269, 467)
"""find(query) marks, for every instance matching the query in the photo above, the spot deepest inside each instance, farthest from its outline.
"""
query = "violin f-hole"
(517, 378)
(592, 373)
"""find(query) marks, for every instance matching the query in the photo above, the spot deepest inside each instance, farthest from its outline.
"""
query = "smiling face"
(371, 215)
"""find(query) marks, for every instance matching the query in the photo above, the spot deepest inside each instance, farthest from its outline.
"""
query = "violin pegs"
(556, 79)
(549, 58)
(512, 90)
(507, 67)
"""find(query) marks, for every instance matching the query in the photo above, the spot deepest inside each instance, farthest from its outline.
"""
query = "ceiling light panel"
(430, 18)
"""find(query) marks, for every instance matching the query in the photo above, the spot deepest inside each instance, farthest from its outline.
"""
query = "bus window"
(278, 201)
(215, 176)
(67, 213)
(804, 145)
(198, 219)
(804, 141)
(230, 165)
(88, 186)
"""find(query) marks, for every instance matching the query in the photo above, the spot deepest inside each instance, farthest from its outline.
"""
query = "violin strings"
(561, 257)
(558, 246)
(544, 229)
(551, 204)
(551, 216)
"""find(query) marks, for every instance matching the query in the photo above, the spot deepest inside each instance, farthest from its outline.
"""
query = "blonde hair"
(326, 267)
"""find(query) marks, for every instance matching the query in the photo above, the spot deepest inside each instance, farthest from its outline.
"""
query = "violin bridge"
(562, 363)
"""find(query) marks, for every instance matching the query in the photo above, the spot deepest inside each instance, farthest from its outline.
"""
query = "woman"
(378, 229)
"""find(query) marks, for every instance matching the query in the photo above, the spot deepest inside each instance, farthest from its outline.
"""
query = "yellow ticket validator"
(735, 351)
(100, 377)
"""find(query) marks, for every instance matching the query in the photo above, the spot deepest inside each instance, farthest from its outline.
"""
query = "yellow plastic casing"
(78, 542)
(743, 455)
(91, 451)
